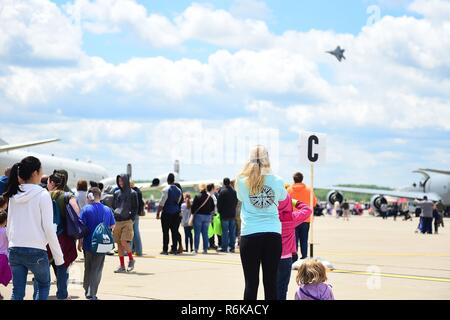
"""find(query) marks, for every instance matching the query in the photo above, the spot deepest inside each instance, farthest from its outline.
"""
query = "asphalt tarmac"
(373, 259)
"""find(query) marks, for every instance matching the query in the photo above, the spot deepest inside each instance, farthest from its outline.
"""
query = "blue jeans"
(62, 282)
(136, 244)
(283, 277)
(188, 240)
(301, 235)
(228, 234)
(36, 260)
(201, 225)
(420, 226)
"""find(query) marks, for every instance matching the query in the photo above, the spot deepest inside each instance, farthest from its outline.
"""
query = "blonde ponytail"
(255, 169)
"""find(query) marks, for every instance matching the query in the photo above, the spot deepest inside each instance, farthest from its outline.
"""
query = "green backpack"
(102, 239)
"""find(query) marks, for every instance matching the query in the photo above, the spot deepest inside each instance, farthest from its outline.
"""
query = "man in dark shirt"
(226, 205)
(169, 205)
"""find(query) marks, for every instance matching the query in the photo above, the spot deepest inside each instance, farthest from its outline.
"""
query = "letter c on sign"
(313, 157)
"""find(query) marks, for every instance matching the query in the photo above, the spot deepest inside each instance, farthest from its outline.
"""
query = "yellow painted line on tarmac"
(388, 254)
(388, 266)
(353, 272)
(393, 275)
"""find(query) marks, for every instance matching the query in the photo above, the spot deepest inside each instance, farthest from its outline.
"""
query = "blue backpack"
(102, 239)
(75, 228)
(57, 218)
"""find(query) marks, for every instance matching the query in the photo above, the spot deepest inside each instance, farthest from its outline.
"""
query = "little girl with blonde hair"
(311, 278)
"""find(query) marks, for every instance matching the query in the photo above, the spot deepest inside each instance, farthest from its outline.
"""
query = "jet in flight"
(338, 53)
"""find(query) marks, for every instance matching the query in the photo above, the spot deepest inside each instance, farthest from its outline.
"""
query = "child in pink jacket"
(292, 213)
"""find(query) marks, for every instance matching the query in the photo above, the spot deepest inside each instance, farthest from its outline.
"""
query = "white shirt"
(30, 221)
(81, 199)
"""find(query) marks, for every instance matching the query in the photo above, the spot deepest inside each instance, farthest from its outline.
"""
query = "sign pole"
(312, 151)
(311, 203)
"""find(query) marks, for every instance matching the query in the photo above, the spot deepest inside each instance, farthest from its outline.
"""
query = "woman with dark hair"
(56, 185)
(30, 228)
(211, 189)
(202, 207)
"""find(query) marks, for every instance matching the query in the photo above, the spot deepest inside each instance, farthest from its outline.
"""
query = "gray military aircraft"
(435, 185)
(77, 170)
(338, 53)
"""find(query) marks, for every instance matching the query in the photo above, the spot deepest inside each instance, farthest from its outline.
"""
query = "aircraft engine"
(377, 201)
(334, 196)
(155, 182)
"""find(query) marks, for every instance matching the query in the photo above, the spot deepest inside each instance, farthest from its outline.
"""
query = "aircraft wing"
(183, 184)
(392, 193)
(9, 147)
(436, 171)
(195, 183)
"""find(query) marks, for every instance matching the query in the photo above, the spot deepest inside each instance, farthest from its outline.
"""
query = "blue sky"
(119, 78)
(280, 16)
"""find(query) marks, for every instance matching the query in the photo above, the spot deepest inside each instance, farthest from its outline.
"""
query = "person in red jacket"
(292, 213)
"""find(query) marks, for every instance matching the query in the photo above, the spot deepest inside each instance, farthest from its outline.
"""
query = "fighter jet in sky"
(338, 53)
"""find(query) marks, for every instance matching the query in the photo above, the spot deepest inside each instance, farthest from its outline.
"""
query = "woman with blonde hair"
(260, 190)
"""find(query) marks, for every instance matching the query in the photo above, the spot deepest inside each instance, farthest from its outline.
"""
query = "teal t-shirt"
(259, 213)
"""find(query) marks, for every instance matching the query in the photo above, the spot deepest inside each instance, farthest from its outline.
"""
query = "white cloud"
(220, 28)
(35, 30)
(109, 16)
(196, 22)
(245, 72)
(209, 149)
(216, 148)
(161, 77)
(396, 76)
(434, 10)
(269, 71)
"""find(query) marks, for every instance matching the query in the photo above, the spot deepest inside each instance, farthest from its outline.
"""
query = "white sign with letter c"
(313, 148)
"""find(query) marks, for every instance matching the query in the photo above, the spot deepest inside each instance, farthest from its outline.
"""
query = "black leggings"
(256, 250)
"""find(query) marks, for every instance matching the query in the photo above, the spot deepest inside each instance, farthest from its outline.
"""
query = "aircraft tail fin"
(176, 167)
(129, 169)
(3, 142)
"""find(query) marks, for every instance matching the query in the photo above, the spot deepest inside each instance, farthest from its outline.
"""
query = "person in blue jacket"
(4, 180)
